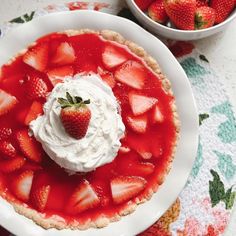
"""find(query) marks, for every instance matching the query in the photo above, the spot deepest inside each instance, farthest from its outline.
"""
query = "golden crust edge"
(57, 221)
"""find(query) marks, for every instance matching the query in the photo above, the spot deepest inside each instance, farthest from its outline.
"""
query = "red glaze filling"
(148, 148)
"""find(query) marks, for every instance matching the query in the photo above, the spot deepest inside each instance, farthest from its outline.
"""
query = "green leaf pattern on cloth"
(199, 160)
(227, 129)
(24, 18)
(216, 189)
(217, 192)
(225, 165)
(194, 71)
(203, 58)
(229, 198)
(203, 117)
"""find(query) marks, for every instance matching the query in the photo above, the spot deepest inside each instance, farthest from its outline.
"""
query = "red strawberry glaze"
(88, 51)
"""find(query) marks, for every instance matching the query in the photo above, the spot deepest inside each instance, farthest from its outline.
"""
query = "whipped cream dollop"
(102, 140)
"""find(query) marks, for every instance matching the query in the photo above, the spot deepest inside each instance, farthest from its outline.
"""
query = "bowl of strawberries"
(184, 19)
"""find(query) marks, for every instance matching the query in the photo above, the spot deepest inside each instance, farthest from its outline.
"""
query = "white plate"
(147, 213)
(177, 34)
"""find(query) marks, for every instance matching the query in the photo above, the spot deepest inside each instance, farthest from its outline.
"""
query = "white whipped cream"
(102, 140)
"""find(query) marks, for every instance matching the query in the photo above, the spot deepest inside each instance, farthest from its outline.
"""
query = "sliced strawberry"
(157, 115)
(39, 196)
(36, 87)
(64, 55)
(107, 77)
(7, 149)
(37, 57)
(140, 169)
(57, 75)
(11, 165)
(5, 133)
(21, 114)
(112, 57)
(35, 110)
(124, 149)
(144, 154)
(29, 146)
(144, 169)
(21, 185)
(131, 73)
(144, 147)
(140, 104)
(31, 166)
(83, 198)
(138, 123)
(7, 102)
(124, 188)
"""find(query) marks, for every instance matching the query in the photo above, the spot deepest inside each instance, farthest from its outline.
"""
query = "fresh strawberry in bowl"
(184, 19)
(204, 17)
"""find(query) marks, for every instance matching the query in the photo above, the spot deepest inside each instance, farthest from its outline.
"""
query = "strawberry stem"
(72, 101)
(199, 21)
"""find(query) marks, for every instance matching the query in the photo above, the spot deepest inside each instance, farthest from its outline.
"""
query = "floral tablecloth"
(204, 206)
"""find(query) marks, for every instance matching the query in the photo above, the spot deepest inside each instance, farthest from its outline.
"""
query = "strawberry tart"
(88, 129)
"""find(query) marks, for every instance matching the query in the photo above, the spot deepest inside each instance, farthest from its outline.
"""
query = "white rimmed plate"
(147, 213)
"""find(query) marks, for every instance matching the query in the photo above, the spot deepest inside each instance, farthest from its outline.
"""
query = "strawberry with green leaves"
(204, 17)
(75, 115)
(181, 13)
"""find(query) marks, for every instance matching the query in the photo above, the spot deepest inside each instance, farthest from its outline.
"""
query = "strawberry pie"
(88, 129)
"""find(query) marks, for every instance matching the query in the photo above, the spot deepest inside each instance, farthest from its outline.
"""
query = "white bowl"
(177, 34)
(146, 214)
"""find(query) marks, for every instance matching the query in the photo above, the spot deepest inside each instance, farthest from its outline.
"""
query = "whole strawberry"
(157, 11)
(223, 8)
(143, 4)
(204, 17)
(75, 115)
(181, 13)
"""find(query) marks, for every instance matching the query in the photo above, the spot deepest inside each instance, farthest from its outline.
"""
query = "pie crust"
(58, 222)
